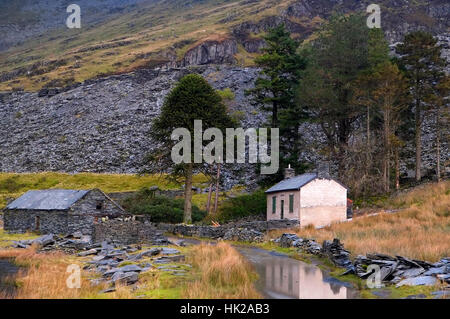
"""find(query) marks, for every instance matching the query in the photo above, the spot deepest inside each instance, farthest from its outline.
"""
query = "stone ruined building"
(311, 198)
(59, 211)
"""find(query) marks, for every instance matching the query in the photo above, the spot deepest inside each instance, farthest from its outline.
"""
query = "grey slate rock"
(127, 278)
(413, 272)
(169, 251)
(44, 240)
(435, 271)
(88, 252)
(419, 296)
(129, 268)
(149, 253)
(441, 293)
(418, 281)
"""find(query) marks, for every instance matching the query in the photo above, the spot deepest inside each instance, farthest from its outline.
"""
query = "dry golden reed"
(223, 273)
(44, 276)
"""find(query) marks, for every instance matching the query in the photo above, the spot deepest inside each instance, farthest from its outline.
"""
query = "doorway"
(37, 223)
(282, 209)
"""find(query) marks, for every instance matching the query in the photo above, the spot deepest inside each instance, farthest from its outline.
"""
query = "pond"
(282, 277)
(7, 271)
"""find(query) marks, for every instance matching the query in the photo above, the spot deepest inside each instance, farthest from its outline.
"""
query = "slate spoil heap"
(396, 270)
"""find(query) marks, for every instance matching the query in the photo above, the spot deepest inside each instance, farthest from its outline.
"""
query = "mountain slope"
(120, 36)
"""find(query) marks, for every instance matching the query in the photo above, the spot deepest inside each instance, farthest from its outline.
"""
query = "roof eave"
(283, 190)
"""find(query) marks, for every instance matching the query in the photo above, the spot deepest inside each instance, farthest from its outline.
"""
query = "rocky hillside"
(102, 125)
(121, 36)
(83, 100)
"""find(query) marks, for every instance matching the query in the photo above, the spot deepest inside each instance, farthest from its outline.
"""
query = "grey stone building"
(59, 211)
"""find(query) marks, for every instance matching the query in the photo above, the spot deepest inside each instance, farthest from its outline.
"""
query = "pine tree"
(338, 57)
(389, 96)
(281, 66)
(423, 65)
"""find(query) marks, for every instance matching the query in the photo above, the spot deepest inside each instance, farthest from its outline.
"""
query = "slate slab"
(418, 281)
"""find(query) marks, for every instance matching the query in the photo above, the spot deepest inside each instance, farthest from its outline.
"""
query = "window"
(291, 203)
(99, 206)
(274, 205)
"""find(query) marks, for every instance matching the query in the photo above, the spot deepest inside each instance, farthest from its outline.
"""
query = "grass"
(44, 276)
(221, 273)
(159, 284)
(13, 185)
(6, 239)
(421, 230)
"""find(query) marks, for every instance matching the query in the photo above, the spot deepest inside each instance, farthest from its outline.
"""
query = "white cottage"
(312, 198)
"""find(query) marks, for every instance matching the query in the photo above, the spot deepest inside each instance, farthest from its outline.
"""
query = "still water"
(7, 271)
(282, 277)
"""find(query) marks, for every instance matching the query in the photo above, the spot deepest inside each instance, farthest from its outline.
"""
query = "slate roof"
(293, 183)
(50, 199)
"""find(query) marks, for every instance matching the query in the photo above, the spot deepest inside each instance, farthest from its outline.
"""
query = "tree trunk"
(397, 169)
(418, 131)
(438, 147)
(275, 114)
(368, 128)
(386, 124)
(216, 201)
(188, 195)
(208, 205)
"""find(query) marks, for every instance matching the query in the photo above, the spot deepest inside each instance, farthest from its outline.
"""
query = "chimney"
(289, 172)
(323, 170)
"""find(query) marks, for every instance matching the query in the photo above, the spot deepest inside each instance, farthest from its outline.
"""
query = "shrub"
(226, 94)
(243, 206)
(161, 209)
(11, 184)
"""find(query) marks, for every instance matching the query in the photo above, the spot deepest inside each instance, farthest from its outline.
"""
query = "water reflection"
(282, 277)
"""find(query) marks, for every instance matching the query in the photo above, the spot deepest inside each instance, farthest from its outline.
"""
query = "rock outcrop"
(211, 52)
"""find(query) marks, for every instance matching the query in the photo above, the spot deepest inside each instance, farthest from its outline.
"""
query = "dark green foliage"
(161, 209)
(335, 60)
(242, 206)
(281, 66)
(275, 91)
(423, 65)
(193, 98)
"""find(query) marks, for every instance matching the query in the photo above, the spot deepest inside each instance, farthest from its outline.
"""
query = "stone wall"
(89, 205)
(125, 231)
(21, 221)
(221, 231)
(80, 223)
